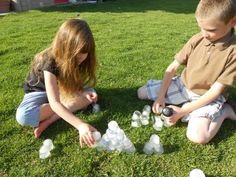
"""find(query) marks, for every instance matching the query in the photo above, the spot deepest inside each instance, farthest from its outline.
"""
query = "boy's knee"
(197, 138)
(142, 93)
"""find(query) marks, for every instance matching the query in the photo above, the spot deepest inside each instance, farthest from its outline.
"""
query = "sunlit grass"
(136, 40)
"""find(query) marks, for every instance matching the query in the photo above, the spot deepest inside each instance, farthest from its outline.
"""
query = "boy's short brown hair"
(224, 10)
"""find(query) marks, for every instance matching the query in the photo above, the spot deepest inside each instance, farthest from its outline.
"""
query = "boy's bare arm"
(169, 74)
(214, 92)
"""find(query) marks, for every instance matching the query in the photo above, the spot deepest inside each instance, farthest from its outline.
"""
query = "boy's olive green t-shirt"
(207, 62)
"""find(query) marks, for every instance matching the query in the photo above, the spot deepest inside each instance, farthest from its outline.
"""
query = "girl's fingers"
(92, 129)
(88, 140)
(81, 142)
(90, 137)
(84, 140)
(95, 99)
(89, 98)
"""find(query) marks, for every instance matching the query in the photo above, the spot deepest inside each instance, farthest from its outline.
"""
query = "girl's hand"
(178, 114)
(158, 105)
(85, 134)
(91, 96)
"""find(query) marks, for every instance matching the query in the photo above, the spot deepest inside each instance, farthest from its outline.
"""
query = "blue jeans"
(28, 113)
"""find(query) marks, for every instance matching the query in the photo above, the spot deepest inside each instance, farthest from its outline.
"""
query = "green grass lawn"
(136, 40)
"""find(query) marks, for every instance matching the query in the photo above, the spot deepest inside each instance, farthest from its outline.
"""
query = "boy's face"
(213, 29)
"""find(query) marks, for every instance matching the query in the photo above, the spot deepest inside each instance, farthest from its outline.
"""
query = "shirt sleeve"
(183, 55)
(228, 76)
(51, 67)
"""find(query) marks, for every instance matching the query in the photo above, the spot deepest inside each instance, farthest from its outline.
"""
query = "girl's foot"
(44, 124)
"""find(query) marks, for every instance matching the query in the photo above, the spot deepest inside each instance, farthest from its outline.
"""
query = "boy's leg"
(150, 90)
(176, 93)
(202, 130)
(142, 93)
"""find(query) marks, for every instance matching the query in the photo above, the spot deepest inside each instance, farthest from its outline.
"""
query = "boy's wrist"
(185, 111)
(160, 98)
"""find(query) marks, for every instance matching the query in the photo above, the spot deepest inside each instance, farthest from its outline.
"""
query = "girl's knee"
(27, 118)
(21, 117)
(142, 93)
(77, 104)
(198, 138)
(70, 105)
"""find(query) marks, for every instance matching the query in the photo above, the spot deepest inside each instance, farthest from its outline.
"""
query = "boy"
(210, 60)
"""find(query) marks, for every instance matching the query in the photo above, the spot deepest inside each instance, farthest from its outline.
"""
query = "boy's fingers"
(159, 110)
(153, 108)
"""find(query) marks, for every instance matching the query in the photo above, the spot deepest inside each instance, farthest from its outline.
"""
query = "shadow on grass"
(168, 149)
(118, 104)
(227, 130)
(115, 105)
(5, 115)
(121, 6)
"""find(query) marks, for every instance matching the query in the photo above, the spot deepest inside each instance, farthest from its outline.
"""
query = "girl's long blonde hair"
(74, 37)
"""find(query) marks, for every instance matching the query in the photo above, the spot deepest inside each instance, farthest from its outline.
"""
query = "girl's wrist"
(79, 124)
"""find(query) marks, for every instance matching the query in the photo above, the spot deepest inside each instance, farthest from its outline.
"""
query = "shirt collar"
(222, 43)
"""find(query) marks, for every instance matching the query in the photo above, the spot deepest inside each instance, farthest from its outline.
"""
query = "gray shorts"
(28, 111)
(177, 94)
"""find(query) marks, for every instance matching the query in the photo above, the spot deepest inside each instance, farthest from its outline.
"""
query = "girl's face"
(81, 57)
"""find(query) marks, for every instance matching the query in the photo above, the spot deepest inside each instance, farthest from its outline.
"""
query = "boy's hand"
(178, 114)
(85, 134)
(158, 105)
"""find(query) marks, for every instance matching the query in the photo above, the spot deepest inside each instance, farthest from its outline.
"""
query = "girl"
(56, 84)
